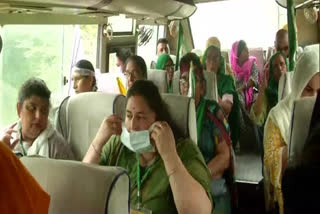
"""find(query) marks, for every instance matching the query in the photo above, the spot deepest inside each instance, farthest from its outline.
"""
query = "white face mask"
(137, 141)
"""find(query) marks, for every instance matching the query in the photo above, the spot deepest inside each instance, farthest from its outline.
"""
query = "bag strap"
(225, 134)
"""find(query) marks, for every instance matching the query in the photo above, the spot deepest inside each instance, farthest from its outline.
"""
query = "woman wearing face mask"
(162, 179)
(228, 96)
(245, 71)
(306, 82)
(83, 77)
(268, 91)
(165, 63)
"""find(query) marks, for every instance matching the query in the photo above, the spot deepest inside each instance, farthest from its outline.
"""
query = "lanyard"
(21, 144)
(140, 181)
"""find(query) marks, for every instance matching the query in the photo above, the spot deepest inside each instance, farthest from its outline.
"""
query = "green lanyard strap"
(200, 117)
(140, 181)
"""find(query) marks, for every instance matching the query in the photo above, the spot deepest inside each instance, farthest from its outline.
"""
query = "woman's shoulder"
(187, 149)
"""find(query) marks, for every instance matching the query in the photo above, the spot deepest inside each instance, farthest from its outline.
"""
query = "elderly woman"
(165, 63)
(306, 82)
(164, 172)
(33, 134)
(245, 71)
(83, 77)
(268, 90)
(228, 97)
(214, 142)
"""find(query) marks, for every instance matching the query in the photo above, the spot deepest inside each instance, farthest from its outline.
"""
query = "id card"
(135, 210)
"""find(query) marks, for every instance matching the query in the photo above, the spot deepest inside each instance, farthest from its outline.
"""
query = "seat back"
(84, 115)
(76, 187)
(285, 85)
(225, 54)
(183, 113)
(300, 124)
(159, 78)
(258, 53)
(211, 83)
(176, 83)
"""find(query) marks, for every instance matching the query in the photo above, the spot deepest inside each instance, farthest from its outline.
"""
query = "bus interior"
(46, 38)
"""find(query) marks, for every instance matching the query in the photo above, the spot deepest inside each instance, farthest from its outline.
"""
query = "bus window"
(147, 49)
(256, 22)
(44, 51)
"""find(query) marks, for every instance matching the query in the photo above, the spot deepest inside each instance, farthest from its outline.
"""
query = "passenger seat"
(83, 115)
(159, 78)
(76, 187)
(183, 113)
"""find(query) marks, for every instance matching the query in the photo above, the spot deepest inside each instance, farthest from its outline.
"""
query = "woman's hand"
(111, 125)
(6, 137)
(164, 140)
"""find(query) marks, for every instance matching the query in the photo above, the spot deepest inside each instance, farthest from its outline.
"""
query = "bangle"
(94, 148)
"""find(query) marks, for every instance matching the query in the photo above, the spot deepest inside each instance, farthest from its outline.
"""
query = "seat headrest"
(300, 124)
(183, 113)
(285, 85)
(76, 187)
(159, 78)
(85, 112)
(211, 82)
(176, 83)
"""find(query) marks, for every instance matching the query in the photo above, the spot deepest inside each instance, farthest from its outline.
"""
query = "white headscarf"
(307, 66)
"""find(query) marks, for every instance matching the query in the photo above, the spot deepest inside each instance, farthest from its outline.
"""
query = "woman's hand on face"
(164, 139)
(111, 125)
(6, 137)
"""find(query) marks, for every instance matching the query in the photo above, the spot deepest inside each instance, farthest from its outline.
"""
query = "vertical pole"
(292, 33)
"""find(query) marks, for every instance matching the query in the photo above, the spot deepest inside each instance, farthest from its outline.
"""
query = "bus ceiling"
(92, 11)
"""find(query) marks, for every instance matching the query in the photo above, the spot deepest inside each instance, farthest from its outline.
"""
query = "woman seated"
(214, 142)
(228, 97)
(216, 42)
(306, 82)
(245, 71)
(268, 90)
(20, 192)
(168, 174)
(136, 69)
(165, 63)
(34, 134)
(185, 62)
(83, 77)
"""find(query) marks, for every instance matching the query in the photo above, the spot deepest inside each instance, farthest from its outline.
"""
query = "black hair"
(150, 92)
(140, 63)
(190, 57)
(242, 44)
(34, 87)
(85, 64)
(123, 54)
(162, 40)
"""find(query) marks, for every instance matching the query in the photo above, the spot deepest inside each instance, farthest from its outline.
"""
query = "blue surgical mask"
(137, 141)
